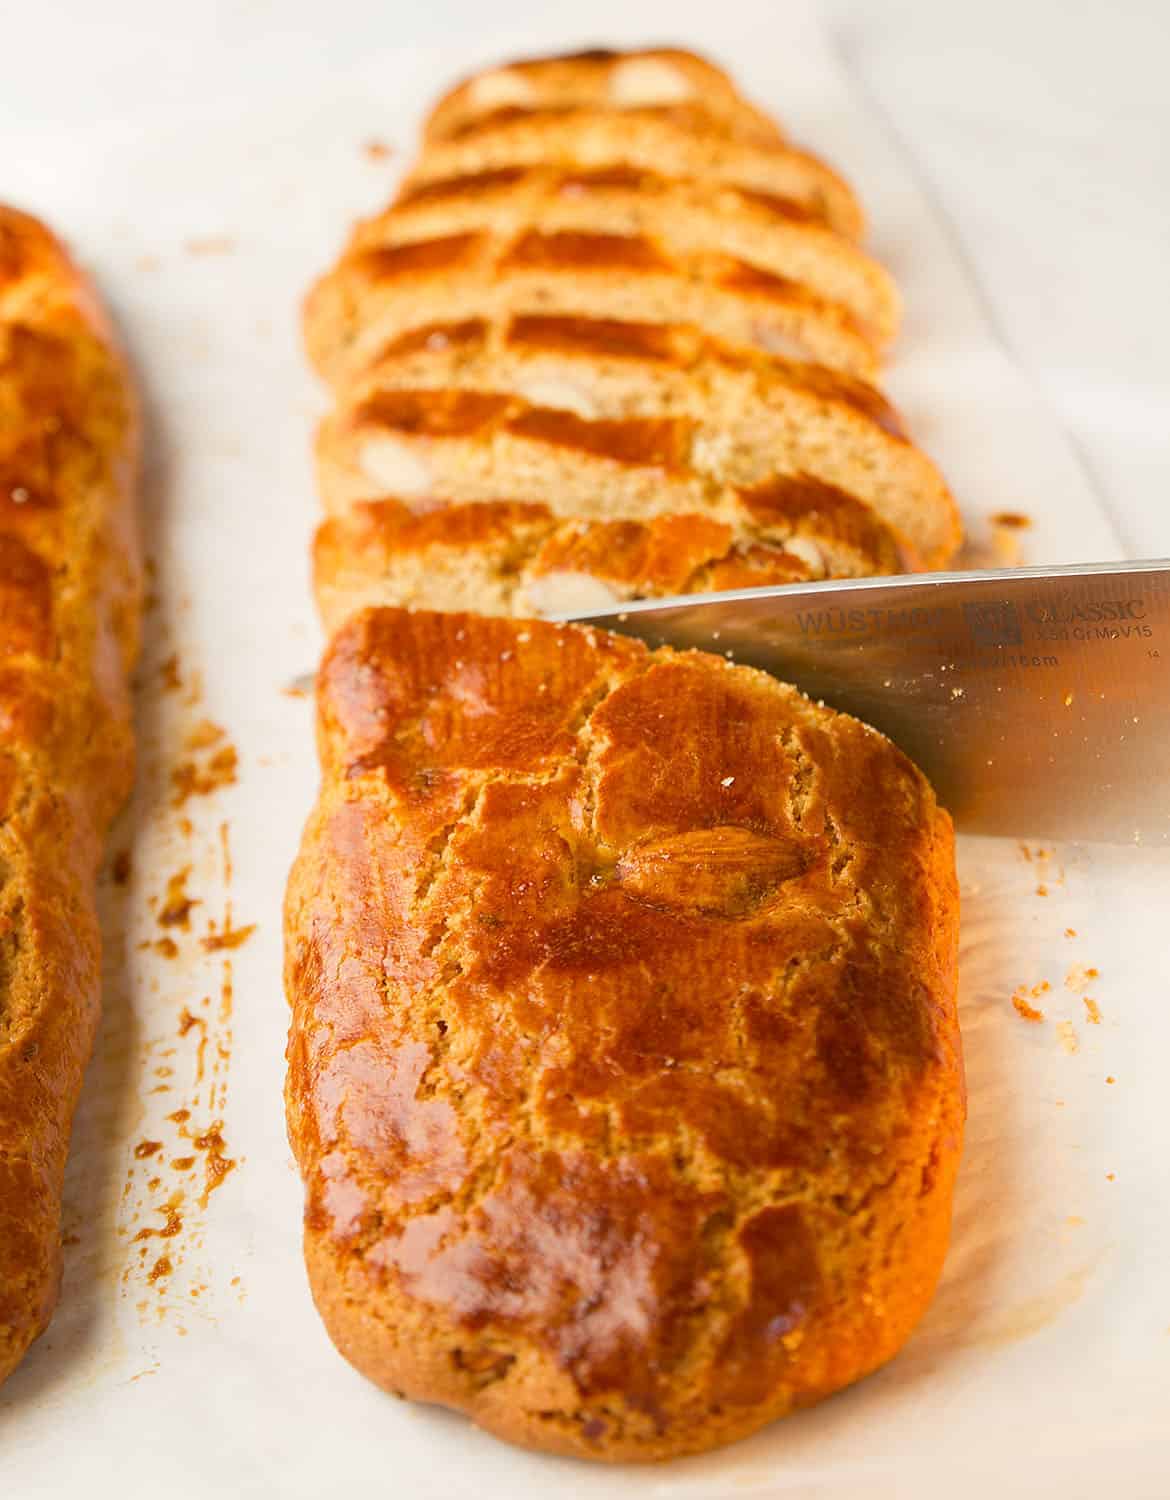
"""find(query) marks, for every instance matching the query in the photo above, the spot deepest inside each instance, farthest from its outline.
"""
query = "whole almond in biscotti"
(624, 1074)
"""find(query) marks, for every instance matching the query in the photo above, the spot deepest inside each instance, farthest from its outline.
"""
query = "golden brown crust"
(69, 599)
(624, 1070)
(600, 79)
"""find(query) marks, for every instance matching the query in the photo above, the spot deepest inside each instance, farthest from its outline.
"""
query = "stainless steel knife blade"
(1037, 700)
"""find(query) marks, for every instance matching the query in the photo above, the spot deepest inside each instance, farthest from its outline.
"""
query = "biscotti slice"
(375, 296)
(69, 595)
(674, 143)
(624, 1072)
(647, 78)
(739, 420)
(520, 558)
(687, 217)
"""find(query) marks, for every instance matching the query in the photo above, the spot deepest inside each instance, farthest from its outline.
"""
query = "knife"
(1037, 700)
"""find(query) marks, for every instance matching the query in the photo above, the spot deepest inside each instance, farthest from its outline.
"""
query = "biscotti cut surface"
(624, 1072)
(69, 605)
(659, 77)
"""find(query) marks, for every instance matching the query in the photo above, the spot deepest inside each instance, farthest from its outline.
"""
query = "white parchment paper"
(206, 168)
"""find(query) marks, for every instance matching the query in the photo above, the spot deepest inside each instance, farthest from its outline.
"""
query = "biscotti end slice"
(599, 78)
(624, 1071)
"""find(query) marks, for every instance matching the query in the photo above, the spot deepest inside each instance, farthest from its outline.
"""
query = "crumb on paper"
(203, 735)
(377, 151)
(177, 905)
(1079, 978)
(1110, 1176)
(1070, 932)
(1109, 1078)
(210, 244)
(1042, 890)
(1024, 1010)
(1066, 1035)
(302, 686)
(1092, 1010)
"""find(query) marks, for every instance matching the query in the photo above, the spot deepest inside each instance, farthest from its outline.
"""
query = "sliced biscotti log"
(685, 216)
(69, 586)
(624, 1069)
(677, 142)
(647, 78)
(374, 296)
(515, 557)
(730, 419)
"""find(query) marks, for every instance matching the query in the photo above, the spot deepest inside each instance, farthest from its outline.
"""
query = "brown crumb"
(1042, 890)
(1066, 1034)
(1026, 1011)
(1110, 1176)
(1070, 932)
(176, 908)
(1012, 519)
(1109, 1078)
(211, 244)
(377, 151)
(1093, 1010)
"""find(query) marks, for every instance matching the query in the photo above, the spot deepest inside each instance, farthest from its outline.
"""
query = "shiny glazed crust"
(69, 603)
(624, 1069)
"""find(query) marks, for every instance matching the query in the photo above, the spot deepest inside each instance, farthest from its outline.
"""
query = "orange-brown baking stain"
(1092, 1010)
(170, 675)
(203, 735)
(227, 937)
(177, 904)
(121, 867)
(145, 1149)
(162, 1267)
(190, 778)
(216, 1164)
(1011, 520)
(210, 244)
(377, 151)
(173, 1224)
